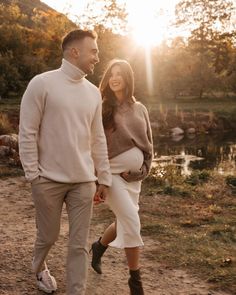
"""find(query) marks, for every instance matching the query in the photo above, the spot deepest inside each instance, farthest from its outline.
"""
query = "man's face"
(86, 55)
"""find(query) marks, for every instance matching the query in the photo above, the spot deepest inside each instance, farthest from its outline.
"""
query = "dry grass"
(5, 125)
(194, 220)
(194, 224)
(196, 231)
(10, 171)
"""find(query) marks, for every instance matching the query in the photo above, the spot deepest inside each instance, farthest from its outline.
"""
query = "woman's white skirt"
(123, 199)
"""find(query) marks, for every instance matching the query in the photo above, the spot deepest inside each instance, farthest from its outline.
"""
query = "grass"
(194, 221)
(167, 112)
(10, 104)
(5, 124)
(196, 231)
(10, 171)
(194, 218)
(192, 112)
(218, 105)
(9, 115)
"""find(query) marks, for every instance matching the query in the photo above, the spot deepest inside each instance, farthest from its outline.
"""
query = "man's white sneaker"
(46, 282)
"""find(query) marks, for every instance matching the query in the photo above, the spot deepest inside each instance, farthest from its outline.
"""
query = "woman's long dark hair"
(108, 96)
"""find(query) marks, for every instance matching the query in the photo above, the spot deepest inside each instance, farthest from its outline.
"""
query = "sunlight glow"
(149, 73)
(147, 35)
(149, 20)
(70, 7)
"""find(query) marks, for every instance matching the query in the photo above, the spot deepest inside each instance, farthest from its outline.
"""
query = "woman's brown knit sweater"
(132, 129)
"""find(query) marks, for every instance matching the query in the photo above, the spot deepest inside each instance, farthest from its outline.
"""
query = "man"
(62, 147)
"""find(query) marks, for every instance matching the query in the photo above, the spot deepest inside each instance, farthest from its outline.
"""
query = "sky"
(142, 16)
(76, 6)
(73, 6)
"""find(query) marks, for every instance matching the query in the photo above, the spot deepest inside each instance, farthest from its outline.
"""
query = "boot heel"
(135, 283)
(97, 250)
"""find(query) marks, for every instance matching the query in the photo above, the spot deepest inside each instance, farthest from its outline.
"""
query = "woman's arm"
(141, 174)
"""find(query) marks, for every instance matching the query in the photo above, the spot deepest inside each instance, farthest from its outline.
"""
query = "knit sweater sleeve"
(148, 155)
(31, 112)
(99, 149)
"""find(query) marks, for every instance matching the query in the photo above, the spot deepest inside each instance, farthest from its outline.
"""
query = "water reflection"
(182, 161)
(217, 153)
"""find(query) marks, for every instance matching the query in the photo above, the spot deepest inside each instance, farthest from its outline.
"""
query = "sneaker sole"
(46, 290)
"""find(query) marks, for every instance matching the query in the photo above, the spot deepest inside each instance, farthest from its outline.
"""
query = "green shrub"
(198, 177)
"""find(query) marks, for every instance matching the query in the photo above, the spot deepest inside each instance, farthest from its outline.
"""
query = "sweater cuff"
(105, 180)
(136, 175)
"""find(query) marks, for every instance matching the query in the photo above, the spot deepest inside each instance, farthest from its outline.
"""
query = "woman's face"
(116, 80)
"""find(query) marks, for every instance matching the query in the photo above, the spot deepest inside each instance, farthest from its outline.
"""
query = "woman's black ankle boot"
(135, 283)
(97, 251)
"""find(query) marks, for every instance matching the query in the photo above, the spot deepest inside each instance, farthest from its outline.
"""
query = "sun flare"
(150, 21)
(148, 35)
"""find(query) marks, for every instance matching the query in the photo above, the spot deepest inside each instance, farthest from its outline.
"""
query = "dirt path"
(17, 233)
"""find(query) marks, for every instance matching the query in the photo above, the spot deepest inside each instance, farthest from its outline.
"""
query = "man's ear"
(75, 52)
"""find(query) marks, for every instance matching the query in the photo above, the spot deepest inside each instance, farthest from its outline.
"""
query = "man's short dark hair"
(77, 35)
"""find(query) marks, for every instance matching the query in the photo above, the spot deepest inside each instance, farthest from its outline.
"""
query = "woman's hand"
(125, 175)
(138, 175)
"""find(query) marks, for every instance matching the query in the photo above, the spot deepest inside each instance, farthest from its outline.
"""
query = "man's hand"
(101, 194)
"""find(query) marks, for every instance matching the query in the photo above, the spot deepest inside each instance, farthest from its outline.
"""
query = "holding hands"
(101, 194)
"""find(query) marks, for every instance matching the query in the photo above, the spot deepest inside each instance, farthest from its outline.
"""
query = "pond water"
(214, 152)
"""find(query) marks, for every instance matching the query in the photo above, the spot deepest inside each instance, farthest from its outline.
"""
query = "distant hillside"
(27, 6)
(30, 34)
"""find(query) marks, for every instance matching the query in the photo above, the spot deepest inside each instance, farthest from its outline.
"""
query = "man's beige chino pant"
(48, 197)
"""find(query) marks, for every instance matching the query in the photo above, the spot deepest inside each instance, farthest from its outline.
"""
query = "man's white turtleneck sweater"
(61, 135)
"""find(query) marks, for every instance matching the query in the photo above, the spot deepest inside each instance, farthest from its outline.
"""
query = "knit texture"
(61, 136)
(132, 129)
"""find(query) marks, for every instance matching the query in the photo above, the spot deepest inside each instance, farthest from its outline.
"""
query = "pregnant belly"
(129, 160)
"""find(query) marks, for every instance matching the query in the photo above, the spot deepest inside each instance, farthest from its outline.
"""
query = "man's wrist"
(97, 183)
(103, 185)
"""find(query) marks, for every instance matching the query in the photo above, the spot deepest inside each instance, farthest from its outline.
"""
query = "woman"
(129, 140)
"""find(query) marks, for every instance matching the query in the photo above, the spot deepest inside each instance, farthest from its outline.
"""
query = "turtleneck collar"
(74, 73)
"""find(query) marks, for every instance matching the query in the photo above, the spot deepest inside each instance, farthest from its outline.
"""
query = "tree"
(211, 32)
(52, 26)
(205, 18)
(30, 42)
(105, 14)
(10, 79)
(173, 69)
